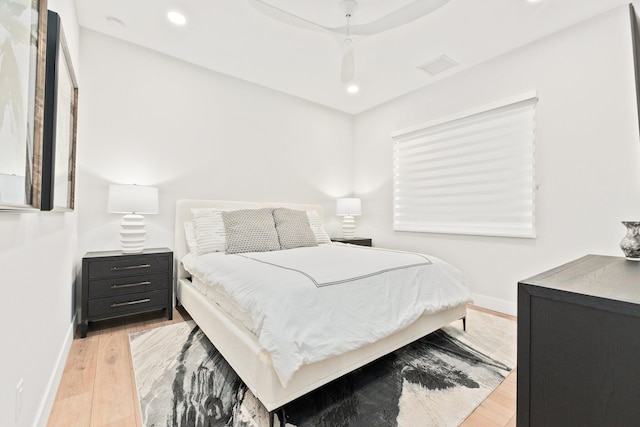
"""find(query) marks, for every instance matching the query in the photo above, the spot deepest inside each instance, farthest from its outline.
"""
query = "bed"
(243, 350)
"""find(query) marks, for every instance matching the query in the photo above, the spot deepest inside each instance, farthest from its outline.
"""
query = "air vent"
(438, 65)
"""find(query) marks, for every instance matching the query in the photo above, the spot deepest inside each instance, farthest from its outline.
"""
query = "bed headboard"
(183, 214)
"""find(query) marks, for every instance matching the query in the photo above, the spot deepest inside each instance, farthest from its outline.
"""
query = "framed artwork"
(635, 43)
(60, 122)
(23, 25)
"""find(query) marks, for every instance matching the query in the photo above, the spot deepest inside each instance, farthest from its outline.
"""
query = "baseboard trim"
(495, 304)
(54, 381)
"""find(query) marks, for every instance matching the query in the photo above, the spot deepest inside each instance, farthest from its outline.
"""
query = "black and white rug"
(183, 381)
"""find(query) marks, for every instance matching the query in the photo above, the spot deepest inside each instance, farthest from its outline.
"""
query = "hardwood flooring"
(98, 389)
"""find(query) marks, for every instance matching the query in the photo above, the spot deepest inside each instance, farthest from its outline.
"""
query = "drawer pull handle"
(130, 285)
(131, 267)
(120, 304)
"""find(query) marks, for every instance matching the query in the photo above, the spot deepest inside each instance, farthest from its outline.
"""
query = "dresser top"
(608, 277)
(150, 251)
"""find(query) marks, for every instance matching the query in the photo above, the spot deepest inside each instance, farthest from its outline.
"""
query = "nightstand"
(360, 241)
(116, 284)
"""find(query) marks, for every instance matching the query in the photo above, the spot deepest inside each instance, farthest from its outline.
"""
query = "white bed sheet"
(298, 322)
(216, 296)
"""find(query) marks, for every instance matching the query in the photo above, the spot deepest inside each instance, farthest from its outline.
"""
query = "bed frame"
(240, 348)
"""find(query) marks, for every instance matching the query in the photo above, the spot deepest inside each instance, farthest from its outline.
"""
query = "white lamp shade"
(348, 206)
(138, 199)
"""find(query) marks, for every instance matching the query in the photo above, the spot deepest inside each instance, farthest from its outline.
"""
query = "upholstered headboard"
(183, 214)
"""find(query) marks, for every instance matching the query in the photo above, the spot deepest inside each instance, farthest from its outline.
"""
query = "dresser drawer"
(126, 304)
(127, 285)
(128, 266)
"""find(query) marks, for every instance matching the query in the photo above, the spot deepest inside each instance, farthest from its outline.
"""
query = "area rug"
(183, 381)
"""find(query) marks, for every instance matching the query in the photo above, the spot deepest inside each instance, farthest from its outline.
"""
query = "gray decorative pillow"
(250, 230)
(293, 228)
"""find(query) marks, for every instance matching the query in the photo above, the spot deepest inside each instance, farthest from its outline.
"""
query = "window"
(468, 174)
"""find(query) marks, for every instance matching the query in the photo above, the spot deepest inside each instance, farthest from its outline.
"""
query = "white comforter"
(309, 304)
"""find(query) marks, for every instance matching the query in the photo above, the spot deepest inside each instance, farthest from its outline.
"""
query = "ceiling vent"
(438, 65)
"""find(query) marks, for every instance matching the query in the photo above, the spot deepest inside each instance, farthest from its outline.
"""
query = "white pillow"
(190, 237)
(317, 228)
(209, 230)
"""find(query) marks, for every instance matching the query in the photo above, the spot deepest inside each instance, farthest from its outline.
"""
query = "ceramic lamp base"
(348, 227)
(132, 233)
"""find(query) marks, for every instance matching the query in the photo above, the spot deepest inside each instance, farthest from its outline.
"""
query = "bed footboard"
(253, 365)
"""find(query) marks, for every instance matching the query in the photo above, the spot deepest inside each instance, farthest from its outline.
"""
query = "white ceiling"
(234, 38)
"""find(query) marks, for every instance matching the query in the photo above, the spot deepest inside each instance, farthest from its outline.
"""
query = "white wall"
(587, 155)
(147, 118)
(38, 264)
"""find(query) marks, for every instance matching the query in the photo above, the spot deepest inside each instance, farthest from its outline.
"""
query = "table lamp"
(348, 208)
(132, 200)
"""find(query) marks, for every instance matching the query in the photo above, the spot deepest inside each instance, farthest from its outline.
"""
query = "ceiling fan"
(401, 16)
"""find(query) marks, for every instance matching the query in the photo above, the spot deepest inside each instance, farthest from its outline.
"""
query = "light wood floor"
(499, 409)
(98, 389)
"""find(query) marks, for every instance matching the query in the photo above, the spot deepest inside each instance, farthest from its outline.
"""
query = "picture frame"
(635, 44)
(60, 122)
(22, 81)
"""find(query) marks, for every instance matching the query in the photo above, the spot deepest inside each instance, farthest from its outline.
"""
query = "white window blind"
(469, 174)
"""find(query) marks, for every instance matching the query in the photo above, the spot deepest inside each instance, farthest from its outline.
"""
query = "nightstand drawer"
(125, 304)
(128, 266)
(127, 285)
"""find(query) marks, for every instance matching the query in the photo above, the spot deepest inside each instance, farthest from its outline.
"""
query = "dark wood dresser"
(116, 284)
(579, 345)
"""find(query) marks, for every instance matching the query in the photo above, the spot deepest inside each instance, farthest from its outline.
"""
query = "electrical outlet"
(19, 390)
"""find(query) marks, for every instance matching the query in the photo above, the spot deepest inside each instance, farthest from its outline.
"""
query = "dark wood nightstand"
(116, 284)
(360, 241)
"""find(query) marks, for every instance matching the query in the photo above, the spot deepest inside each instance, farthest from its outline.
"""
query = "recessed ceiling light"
(114, 22)
(353, 88)
(176, 17)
